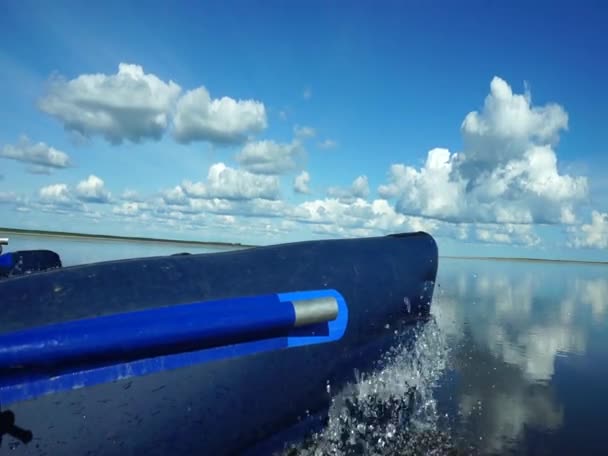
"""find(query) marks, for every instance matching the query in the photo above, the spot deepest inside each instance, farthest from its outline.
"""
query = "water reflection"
(499, 370)
(595, 294)
(509, 325)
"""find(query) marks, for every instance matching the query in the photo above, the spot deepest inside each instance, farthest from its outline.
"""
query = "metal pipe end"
(315, 310)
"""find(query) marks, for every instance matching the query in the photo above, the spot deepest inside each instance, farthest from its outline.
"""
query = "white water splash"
(390, 410)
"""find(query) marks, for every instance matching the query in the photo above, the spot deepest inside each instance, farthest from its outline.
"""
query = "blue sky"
(269, 121)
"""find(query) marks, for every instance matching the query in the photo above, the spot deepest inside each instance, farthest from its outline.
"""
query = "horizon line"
(33, 232)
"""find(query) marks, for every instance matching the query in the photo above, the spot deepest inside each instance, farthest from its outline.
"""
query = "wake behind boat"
(206, 354)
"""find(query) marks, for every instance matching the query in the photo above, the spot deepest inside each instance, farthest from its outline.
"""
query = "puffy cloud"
(460, 231)
(131, 195)
(134, 105)
(60, 198)
(340, 231)
(214, 205)
(431, 191)
(352, 218)
(269, 157)
(594, 234)
(260, 208)
(56, 194)
(485, 235)
(128, 105)
(301, 182)
(332, 211)
(92, 190)
(507, 126)
(327, 144)
(506, 234)
(39, 154)
(324, 217)
(386, 220)
(223, 120)
(175, 196)
(233, 184)
(567, 216)
(304, 132)
(507, 172)
(130, 208)
(358, 189)
(197, 210)
(333, 216)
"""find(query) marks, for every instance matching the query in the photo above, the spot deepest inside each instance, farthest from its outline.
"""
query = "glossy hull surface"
(224, 406)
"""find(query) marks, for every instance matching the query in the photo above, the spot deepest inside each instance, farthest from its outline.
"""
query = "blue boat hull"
(225, 406)
(27, 261)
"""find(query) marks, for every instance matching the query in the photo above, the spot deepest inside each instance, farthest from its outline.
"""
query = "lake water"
(528, 355)
(514, 361)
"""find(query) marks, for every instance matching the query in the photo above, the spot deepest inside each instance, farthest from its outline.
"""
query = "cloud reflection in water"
(507, 324)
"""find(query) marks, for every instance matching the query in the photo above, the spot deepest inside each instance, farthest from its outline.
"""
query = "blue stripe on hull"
(76, 343)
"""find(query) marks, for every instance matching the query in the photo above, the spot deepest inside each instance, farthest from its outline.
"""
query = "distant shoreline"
(110, 237)
(525, 260)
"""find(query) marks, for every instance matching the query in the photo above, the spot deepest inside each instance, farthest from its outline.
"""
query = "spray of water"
(391, 409)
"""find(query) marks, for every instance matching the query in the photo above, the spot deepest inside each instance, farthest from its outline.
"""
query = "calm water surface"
(527, 368)
(515, 360)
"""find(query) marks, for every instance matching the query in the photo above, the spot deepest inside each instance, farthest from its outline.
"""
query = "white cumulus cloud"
(507, 233)
(270, 157)
(56, 194)
(358, 189)
(39, 154)
(507, 172)
(92, 190)
(233, 184)
(175, 196)
(301, 182)
(129, 105)
(130, 208)
(198, 117)
(594, 234)
(354, 217)
(131, 195)
(429, 191)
